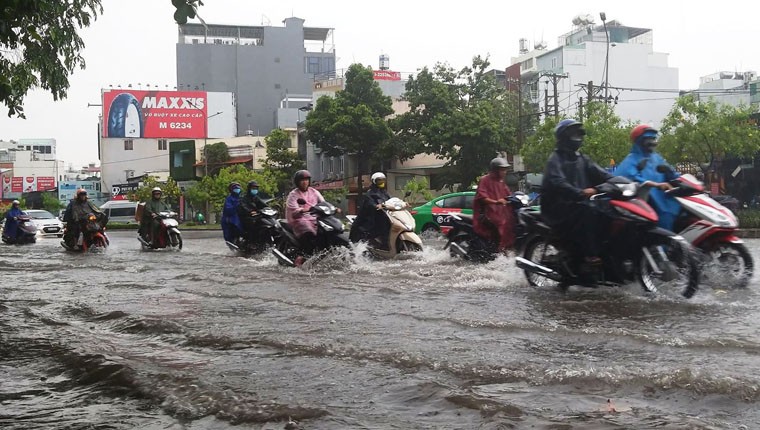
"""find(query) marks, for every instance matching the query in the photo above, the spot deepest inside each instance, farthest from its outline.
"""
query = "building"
(28, 165)
(731, 88)
(267, 68)
(618, 60)
(138, 127)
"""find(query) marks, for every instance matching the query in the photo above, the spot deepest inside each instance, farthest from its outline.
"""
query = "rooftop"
(319, 34)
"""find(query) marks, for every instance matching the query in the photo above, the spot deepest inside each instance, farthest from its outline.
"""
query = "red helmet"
(639, 131)
(81, 191)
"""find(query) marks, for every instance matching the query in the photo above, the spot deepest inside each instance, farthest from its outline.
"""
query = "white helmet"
(377, 176)
(156, 189)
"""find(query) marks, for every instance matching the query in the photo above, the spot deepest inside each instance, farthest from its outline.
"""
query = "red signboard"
(17, 184)
(387, 75)
(45, 183)
(154, 114)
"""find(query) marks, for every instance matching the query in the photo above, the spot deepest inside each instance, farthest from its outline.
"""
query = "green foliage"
(420, 189)
(186, 9)
(170, 189)
(41, 47)
(606, 139)
(333, 195)
(214, 188)
(216, 154)
(51, 203)
(703, 131)
(749, 218)
(465, 117)
(354, 121)
(282, 162)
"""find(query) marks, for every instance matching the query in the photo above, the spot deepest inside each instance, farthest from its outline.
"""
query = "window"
(128, 145)
(178, 159)
(312, 65)
(162, 144)
(554, 63)
(456, 202)
(468, 201)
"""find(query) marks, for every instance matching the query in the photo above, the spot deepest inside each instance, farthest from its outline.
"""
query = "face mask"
(236, 190)
(254, 192)
(381, 185)
(649, 145)
(572, 145)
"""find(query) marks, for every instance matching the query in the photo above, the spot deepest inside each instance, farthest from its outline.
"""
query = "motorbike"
(633, 248)
(92, 234)
(711, 228)
(26, 232)
(330, 234)
(169, 235)
(401, 236)
(464, 243)
(266, 229)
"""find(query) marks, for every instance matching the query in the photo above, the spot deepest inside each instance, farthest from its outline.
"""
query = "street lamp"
(603, 16)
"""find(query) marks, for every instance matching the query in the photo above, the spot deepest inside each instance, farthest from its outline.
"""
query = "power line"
(135, 159)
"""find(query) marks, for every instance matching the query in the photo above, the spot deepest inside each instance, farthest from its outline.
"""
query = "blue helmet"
(564, 125)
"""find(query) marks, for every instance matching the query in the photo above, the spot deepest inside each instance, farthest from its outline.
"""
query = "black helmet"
(252, 184)
(233, 186)
(498, 163)
(564, 126)
(300, 175)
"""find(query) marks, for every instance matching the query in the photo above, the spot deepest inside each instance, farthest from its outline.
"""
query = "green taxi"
(434, 215)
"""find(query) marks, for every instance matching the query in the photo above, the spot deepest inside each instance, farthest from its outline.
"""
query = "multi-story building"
(618, 60)
(28, 165)
(267, 68)
(731, 88)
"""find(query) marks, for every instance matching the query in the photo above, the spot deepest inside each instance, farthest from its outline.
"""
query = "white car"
(47, 224)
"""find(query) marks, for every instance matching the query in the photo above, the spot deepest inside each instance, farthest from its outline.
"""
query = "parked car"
(434, 215)
(120, 211)
(47, 224)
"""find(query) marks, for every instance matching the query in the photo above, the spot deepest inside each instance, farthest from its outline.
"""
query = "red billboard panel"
(387, 75)
(45, 183)
(17, 184)
(154, 114)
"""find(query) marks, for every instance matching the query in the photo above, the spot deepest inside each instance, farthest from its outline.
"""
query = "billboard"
(27, 184)
(154, 114)
(386, 75)
(121, 191)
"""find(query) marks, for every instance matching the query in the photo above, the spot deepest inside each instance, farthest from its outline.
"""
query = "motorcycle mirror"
(407, 194)
(301, 201)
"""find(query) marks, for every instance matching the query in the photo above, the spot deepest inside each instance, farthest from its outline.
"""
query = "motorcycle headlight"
(628, 190)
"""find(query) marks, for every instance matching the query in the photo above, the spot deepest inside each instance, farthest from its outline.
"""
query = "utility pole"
(555, 78)
(580, 108)
(546, 102)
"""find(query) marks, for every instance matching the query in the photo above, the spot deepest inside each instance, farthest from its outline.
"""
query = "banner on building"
(387, 75)
(45, 183)
(17, 184)
(154, 114)
(121, 191)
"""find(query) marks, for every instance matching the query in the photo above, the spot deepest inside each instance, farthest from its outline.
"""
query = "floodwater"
(202, 339)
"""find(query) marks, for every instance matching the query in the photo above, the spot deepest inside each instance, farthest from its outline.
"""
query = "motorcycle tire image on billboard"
(154, 114)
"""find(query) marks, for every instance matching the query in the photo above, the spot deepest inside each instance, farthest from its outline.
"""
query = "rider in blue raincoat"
(11, 220)
(636, 168)
(231, 226)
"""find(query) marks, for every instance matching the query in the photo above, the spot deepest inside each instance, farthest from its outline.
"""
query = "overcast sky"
(134, 42)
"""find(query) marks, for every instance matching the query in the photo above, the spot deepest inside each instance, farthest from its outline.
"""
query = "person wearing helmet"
(77, 211)
(231, 227)
(10, 230)
(149, 224)
(569, 180)
(641, 166)
(492, 218)
(370, 223)
(250, 205)
(303, 223)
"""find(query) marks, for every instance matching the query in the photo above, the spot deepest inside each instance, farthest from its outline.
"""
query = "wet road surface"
(201, 339)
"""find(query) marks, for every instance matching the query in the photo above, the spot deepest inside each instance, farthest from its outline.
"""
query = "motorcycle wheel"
(175, 240)
(406, 246)
(734, 261)
(540, 251)
(683, 263)
(287, 249)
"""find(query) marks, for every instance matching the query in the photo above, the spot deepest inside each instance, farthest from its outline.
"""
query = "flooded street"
(202, 339)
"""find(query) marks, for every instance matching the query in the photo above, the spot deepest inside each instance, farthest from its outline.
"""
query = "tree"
(354, 122)
(705, 131)
(465, 117)
(169, 189)
(419, 189)
(216, 154)
(40, 47)
(186, 9)
(607, 139)
(282, 162)
(51, 203)
(214, 189)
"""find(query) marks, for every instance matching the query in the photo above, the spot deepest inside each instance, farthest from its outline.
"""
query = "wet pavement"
(202, 339)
